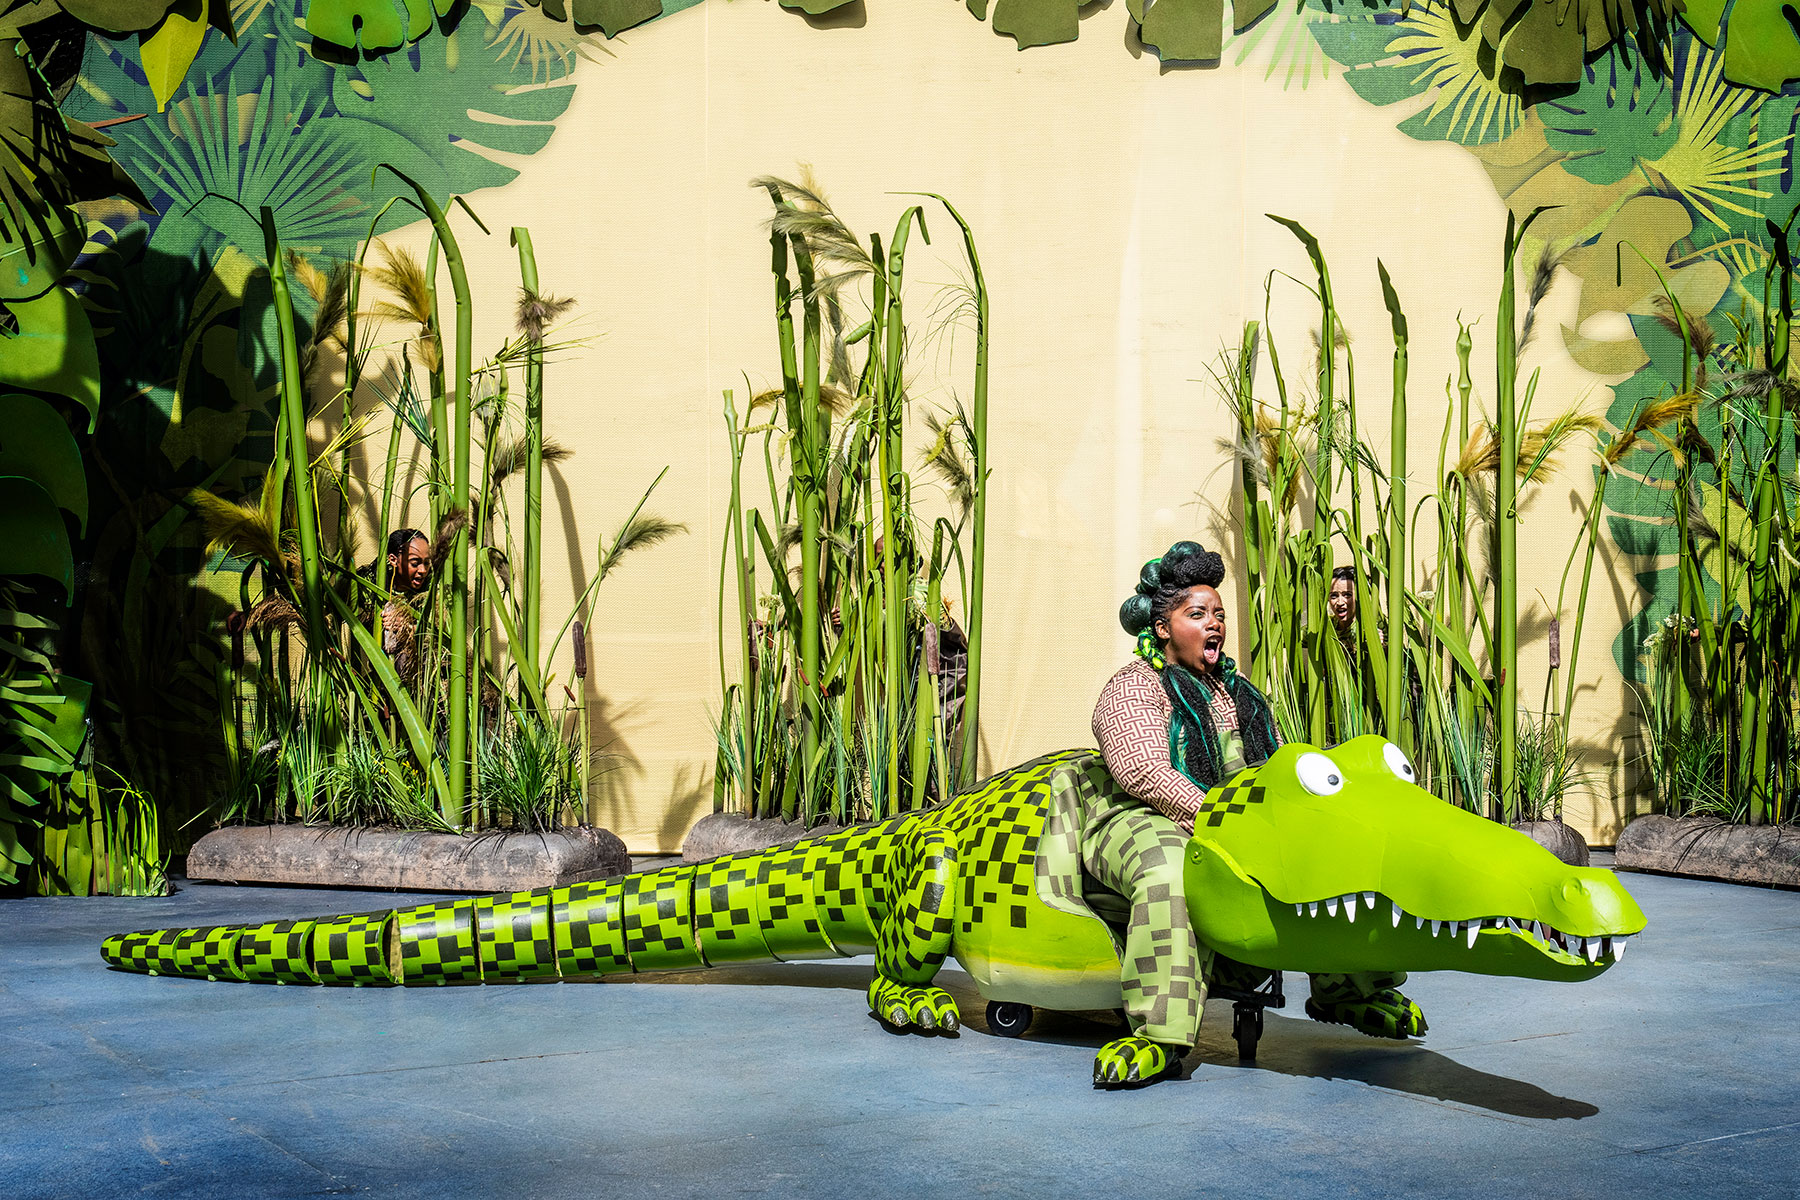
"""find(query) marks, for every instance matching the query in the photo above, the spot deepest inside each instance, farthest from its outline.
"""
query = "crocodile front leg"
(914, 939)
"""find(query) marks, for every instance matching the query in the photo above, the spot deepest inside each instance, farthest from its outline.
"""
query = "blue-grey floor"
(1678, 1073)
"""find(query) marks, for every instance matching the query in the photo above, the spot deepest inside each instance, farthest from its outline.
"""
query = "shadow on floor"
(1290, 1046)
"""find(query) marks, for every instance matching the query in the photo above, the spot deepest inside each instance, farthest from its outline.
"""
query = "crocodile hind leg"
(1138, 854)
(915, 937)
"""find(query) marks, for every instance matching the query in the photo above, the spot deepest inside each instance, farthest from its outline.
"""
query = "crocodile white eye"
(1397, 763)
(1319, 775)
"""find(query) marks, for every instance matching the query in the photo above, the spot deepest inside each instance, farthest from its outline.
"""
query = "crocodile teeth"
(1590, 948)
(1369, 900)
(1331, 906)
(1418, 922)
(1537, 931)
(1435, 926)
(1474, 930)
(1299, 910)
(1397, 914)
(1350, 907)
(1312, 910)
(1618, 949)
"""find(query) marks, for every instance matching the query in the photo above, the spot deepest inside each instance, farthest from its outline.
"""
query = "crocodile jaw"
(1365, 930)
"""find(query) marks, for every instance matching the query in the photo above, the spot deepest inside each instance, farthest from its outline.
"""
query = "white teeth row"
(1593, 949)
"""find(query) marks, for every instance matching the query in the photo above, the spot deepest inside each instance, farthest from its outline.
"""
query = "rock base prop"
(734, 833)
(1712, 849)
(379, 858)
(1558, 839)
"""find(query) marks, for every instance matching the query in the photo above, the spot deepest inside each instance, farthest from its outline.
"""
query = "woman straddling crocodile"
(1173, 723)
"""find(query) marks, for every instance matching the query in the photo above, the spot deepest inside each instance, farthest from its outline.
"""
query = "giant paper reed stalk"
(1422, 684)
(1317, 552)
(293, 417)
(531, 599)
(835, 707)
(350, 713)
(971, 706)
(1760, 693)
(1505, 648)
(462, 757)
(1396, 559)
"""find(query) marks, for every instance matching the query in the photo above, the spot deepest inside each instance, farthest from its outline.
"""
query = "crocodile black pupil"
(1332, 780)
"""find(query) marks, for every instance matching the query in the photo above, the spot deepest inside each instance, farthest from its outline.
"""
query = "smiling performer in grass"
(1173, 724)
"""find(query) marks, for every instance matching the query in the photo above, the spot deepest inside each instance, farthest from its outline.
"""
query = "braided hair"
(1194, 740)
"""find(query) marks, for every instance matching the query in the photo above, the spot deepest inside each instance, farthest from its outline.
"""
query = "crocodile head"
(1337, 861)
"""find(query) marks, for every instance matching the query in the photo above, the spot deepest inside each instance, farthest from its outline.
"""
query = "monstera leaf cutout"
(37, 248)
(170, 49)
(1546, 41)
(34, 538)
(615, 16)
(1730, 552)
(35, 444)
(1761, 38)
(52, 350)
(118, 16)
(388, 24)
(1616, 280)
(377, 23)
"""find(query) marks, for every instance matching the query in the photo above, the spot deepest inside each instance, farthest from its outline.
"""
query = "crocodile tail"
(636, 922)
(741, 908)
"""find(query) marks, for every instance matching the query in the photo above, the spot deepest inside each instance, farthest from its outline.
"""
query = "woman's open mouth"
(1212, 647)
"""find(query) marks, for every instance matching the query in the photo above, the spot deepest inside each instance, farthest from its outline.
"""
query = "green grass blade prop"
(1396, 561)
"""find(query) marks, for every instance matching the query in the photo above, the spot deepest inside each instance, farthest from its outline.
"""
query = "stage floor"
(1673, 1074)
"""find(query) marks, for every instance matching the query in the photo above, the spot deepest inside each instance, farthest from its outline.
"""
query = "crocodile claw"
(1384, 1014)
(1129, 1060)
(923, 1008)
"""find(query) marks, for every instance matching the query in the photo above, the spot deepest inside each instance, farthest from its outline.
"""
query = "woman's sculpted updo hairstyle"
(1164, 581)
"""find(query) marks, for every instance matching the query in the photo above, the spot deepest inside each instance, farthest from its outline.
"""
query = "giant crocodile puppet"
(1316, 861)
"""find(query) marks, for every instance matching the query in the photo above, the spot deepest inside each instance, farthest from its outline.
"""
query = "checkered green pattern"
(207, 953)
(998, 826)
(146, 951)
(513, 934)
(437, 944)
(850, 885)
(277, 952)
(787, 911)
(352, 950)
(1081, 792)
(725, 910)
(587, 920)
(912, 942)
(1233, 796)
(658, 919)
(1138, 854)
